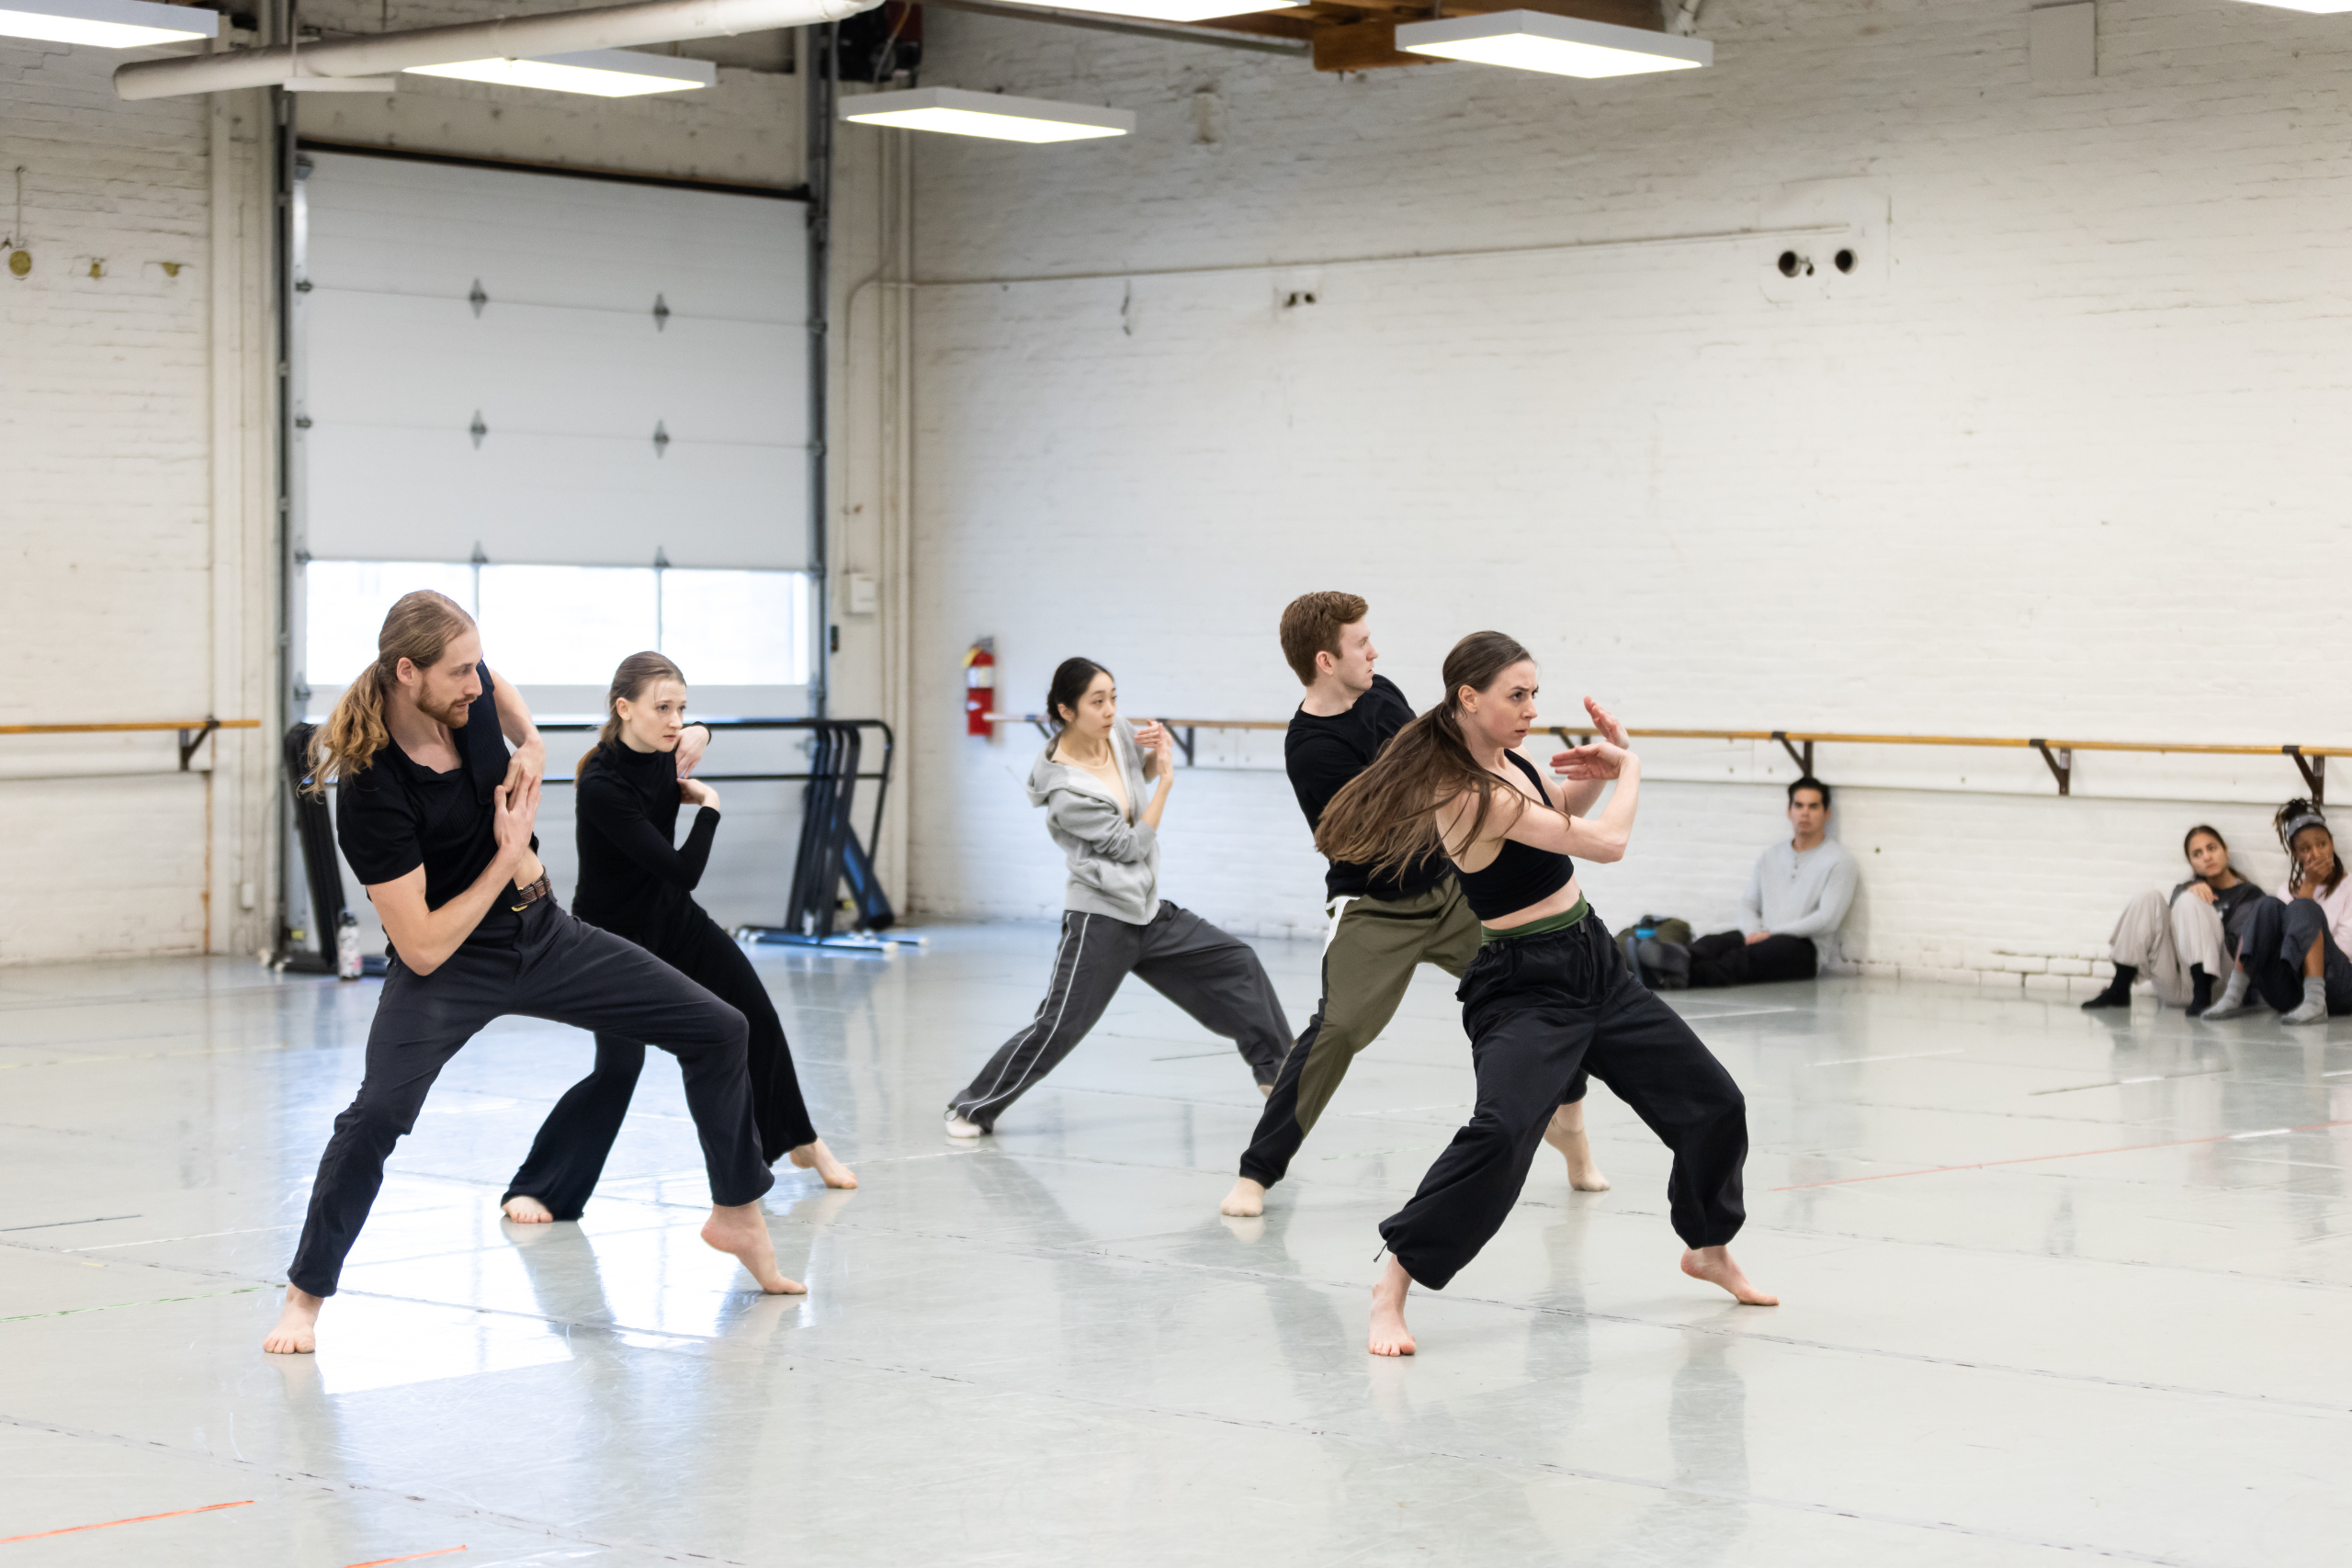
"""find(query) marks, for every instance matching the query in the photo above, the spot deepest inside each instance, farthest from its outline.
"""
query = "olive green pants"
(1374, 946)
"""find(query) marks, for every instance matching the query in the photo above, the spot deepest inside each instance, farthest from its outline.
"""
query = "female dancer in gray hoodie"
(1091, 780)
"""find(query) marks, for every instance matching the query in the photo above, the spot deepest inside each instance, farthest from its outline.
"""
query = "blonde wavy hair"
(419, 628)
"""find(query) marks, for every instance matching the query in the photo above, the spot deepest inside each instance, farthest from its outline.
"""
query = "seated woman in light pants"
(2292, 952)
(2182, 940)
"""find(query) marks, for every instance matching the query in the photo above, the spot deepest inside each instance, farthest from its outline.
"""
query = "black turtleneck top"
(635, 879)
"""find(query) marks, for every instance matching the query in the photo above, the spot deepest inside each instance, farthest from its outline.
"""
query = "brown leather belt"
(533, 894)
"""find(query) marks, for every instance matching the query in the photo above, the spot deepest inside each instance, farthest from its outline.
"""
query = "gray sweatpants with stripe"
(1215, 977)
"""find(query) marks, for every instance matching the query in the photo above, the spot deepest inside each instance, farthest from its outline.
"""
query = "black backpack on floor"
(1657, 948)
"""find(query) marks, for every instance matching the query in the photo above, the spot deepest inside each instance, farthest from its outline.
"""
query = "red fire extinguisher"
(979, 687)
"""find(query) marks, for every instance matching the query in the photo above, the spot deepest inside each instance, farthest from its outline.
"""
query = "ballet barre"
(193, 732)
(2058, 755)
(1180, 731)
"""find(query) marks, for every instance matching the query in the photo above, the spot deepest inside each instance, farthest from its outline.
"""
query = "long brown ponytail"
(1385, 817)
(419, 628)
(638, 671)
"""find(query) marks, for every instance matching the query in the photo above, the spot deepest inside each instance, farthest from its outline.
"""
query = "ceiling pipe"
(516, 38)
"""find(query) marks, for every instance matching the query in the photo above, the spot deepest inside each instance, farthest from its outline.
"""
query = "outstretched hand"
(1591, 760)
(1606, 722)
(1596, 760)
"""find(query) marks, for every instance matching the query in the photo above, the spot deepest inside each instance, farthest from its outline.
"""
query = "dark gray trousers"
(1215, 977)
(2271, 944)
(558, 969)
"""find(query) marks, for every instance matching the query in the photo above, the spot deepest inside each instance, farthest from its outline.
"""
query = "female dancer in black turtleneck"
(634, 883)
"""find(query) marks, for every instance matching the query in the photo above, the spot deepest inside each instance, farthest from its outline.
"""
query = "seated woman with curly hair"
(2291, 954)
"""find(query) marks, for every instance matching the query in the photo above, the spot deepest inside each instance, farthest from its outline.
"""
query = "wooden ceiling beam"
(1363, 37)
(1360, 46)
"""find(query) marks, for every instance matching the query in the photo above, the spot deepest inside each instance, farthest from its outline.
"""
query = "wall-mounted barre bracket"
(1183, 738)
(192, 738)
(1043, 728)
(1803, 760)
(2314, 771)
(2062, 764)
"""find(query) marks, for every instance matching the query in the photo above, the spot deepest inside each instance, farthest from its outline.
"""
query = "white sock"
(2315, 992)
(2234, 992)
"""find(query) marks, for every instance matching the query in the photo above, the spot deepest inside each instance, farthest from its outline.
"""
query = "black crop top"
(1520, 875)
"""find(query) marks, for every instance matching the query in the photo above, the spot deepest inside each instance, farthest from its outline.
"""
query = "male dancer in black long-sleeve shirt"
(1382, 927)
(446, 854)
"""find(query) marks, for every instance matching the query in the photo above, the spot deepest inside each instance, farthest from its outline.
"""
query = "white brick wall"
(135, 549)
(2061, 458)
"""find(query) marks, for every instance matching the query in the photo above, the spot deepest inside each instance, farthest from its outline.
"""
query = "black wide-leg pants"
(1728, 958)
(1212, 976)
(555, 968)
(1539, 1010)
(567, 1158)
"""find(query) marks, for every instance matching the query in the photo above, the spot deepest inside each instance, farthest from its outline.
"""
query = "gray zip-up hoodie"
(1114, 860)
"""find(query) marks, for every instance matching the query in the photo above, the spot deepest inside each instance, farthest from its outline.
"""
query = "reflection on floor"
(2058, 1286)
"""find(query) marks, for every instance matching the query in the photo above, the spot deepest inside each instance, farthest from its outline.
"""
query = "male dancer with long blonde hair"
(437, 823)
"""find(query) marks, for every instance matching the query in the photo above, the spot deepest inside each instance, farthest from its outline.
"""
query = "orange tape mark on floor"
(143, 1519)
(380, 1562)
(2078, 1154)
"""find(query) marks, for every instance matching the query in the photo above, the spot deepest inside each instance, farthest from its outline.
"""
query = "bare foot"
(1246, 1200)
(1566, 1135)
(816, 1157)
(741, 1232)
(525, 1210)
(1713, 1265)
(297, 1333)
(1389, 1335)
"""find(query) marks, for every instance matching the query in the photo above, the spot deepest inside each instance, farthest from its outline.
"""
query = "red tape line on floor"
(2078, 1154)
(109, 1524)
(380, 1562)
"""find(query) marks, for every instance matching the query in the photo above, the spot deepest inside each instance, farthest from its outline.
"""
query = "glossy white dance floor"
(2061, 1289)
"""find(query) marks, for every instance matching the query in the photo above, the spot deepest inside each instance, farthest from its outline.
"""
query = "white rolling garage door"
(530, 391)
(548, 369)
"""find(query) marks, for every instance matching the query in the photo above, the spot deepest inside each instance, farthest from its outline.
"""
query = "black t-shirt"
(396, 815)
(635, 879)
(1322, 754)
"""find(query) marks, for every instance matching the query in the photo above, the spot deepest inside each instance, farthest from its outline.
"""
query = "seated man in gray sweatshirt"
(1798, 894)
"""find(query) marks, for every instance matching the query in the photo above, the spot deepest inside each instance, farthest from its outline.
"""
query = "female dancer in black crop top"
(1548, 996)
(634, 883)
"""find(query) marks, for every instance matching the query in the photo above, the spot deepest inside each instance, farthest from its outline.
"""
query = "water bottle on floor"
(346, 948)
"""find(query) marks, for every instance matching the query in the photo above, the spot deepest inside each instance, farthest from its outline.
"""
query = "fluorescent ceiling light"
(605, 72)
(993, 115)
(1564, 46)
(1175, 10)
(106, 24)
(2317, 7)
